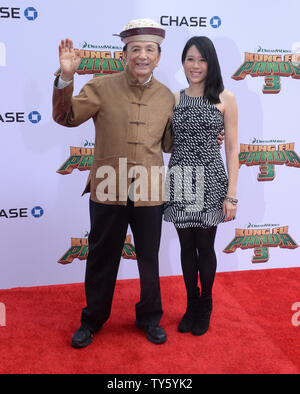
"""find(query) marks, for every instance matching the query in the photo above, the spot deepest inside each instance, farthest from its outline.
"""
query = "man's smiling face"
(142, 57)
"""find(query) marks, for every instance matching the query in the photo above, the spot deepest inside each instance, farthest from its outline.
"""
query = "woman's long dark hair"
(214, 82)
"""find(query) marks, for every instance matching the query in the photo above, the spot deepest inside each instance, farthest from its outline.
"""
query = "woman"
(202, 111)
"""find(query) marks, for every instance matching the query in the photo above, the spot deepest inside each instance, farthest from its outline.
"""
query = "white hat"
(142, 30)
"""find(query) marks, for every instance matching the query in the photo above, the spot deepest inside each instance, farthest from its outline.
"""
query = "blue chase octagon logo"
(37, 212)
(215, 22)
(31, 13)
(34, 117)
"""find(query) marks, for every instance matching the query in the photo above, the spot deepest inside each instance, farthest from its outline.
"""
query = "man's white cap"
(142, 30)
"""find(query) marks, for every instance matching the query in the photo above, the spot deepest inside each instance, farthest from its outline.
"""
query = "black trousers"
(109, 224)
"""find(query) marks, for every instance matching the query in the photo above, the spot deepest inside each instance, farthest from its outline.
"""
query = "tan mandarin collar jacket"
(132, 124)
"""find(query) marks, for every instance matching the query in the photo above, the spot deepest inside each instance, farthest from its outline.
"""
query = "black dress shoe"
(154, 333)
(82, 337)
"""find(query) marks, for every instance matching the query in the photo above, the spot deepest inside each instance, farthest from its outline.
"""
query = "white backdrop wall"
(41, 210)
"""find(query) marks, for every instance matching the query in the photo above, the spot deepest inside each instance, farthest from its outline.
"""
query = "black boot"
(202, 319)
(186, 323)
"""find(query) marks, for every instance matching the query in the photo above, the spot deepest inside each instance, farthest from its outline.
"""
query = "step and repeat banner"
(44, 220)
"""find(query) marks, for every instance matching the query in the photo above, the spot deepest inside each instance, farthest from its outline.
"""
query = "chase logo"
(31, 13)
(34, 117)
(215, 22)
(37, 212)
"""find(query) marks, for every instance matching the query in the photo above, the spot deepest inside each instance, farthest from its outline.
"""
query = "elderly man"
(131, 111)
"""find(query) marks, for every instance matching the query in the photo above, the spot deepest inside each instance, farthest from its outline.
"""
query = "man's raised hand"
(69, 59)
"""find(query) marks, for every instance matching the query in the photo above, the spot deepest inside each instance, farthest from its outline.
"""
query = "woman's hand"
(220, 139)
(229, 210)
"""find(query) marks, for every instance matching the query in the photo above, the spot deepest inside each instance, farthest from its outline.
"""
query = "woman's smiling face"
(195, 66)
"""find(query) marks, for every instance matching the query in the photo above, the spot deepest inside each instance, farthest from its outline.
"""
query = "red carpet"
(251, 329)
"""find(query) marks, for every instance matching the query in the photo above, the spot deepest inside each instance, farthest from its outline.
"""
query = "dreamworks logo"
(2, 55)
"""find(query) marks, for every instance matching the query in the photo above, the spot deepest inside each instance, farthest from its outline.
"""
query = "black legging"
(198, 256)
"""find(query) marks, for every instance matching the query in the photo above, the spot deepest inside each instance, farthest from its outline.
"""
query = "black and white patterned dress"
(197, 182)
